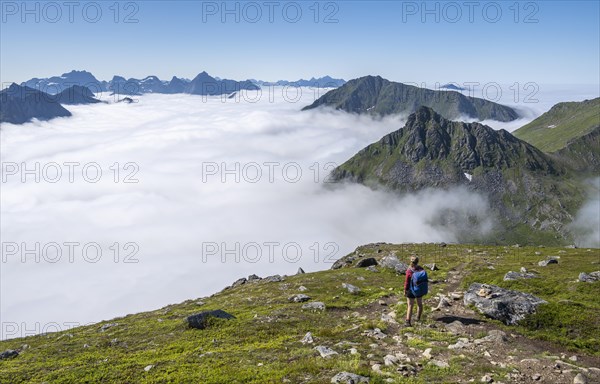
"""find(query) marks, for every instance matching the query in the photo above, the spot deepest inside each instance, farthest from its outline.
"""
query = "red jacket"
(409, 273)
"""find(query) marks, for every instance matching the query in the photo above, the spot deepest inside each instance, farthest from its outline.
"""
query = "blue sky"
(545, 41)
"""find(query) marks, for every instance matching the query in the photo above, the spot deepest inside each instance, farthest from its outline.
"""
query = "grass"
(262, 345)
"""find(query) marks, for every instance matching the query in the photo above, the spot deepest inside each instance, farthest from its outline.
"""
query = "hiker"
(415, 287)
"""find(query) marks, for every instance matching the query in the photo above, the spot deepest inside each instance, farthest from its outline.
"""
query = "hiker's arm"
(407, 280)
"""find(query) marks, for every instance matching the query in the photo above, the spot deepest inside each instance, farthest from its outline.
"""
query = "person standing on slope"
(415, 287)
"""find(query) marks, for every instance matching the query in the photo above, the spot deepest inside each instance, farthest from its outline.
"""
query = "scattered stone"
(523, 270)
(460, 344)
(501, 304)
(573, 358)
(545, 263)
(456, 295)
(432, 266)
(239, 282)
(444, 303)
(439, 364)
(316, 305)
(580, 379)
(325, 352)
(200, 320)
(8, 354)
(372, 268)
(427, 353)
(455, 327)
(351, 288)
(299, 298)
(375, 333)
(200, 303)
(107, 326)
(536, 377)
(273, 279)
(376, 368)
(353, 351)
(390, 360)
(300, 271)
(349, 378)
(382, 302)
(487, 379)
(360, 278)
(307, 339)
(253, 278)
(368, 262)
(493, 336)
(589, 278)
(148, 367)
(519, 275)
(302, 288)
(392, 262)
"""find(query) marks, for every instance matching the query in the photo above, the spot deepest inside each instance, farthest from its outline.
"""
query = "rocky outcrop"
(505, 305)
(200, 320)
(511, 275)
(349, 378)
(591, 277)
(392, 262)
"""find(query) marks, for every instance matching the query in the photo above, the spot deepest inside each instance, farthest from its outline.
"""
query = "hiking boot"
(407, 323)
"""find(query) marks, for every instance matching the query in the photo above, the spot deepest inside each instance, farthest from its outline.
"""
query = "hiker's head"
(414, 260)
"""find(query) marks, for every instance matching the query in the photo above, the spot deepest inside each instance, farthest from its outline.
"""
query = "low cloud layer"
(586, 226)
(187, 227)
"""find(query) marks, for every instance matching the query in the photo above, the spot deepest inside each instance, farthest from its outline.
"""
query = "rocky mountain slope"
(344, 325)
(19, 105)
(528, 190)
(378, 96)
(563, 123)
(76, 95)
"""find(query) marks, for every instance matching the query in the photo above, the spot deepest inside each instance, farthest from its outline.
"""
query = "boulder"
(316, 305)
(253, 278)
(589, 277)
(300, 271)
(239, 282)
(8, 354)
(299, 298)
(432, 266)
(351, 288)
(545, 263)
(368, 262)
(307, 339)
(325, 352)
(392, 262)
(511, 275)
(580, 379)
(505, 305)
(349, 378)
(273, 279)
(200, 320)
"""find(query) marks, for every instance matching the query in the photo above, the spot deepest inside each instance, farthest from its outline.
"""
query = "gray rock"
(302, 288)
(148, 367)
(510, 275)
(375, 333)
(432, 266)
(591, 277)
(494, 336)
(349, 378)
(351, 288)
(580, 379)
(107, 326)
(325, 352)
(487, 379)
(372, 268)
(390, 360)
(316, 305)
(392, 262)
(368, 262)
(501, 304)
(239, 282)
(299, 298)
(439, 364)
(455, 327)
(8, 354)
(253, 278)
(200, 320)
(545, 263)
(300, 271)
(307, 339)
(273, 279)
(523, 270)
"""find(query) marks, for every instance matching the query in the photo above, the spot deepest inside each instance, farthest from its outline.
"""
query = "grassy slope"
(268, 327)
(571, 120)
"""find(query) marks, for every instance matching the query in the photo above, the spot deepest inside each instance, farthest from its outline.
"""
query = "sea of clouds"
(194, 192)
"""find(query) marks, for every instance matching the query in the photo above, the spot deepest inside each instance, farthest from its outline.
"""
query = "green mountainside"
(534, 195)
(361, 333)
(564, 122)
(378, 96)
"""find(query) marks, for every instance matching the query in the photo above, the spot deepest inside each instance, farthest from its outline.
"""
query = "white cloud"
(172, 211)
